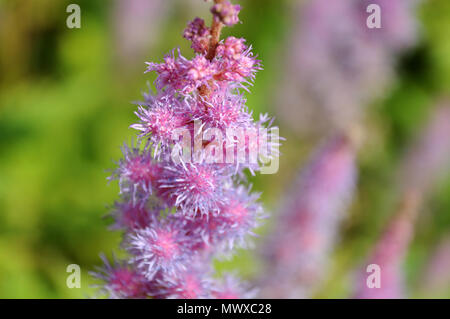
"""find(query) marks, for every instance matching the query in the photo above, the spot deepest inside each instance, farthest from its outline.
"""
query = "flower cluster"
(178, 213)
(234, 63)
(226, 12)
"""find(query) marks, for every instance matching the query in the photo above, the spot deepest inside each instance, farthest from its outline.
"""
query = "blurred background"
(66, 105)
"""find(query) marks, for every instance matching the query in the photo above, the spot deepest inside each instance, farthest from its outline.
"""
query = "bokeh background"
(65, 108)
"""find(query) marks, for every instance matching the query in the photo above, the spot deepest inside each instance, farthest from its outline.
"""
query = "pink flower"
(198, 34)
(235, 62)
(200, 70)
(224, 110)
(226, 12)
(161, 246)
(231, 48)
(190, 284)
(120, 281)
(160, 117)
(181, 74)
(232, 288)
(136, 172)
(129, 216)
(193, 188)
(231, 225)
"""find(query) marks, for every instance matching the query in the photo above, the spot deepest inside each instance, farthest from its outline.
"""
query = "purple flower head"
(198, 34)
(231, 225)
(190, 284)
(120, 281)
(160, 117)
(129, 216)
(240, 215)
(137, 172)
(181, 74)
(232, 288)
(179, 212)
(235, 62)
(162, 246)
(193, 188)
(231, 48)
(225, 109)
(200, 70)
(226, 12)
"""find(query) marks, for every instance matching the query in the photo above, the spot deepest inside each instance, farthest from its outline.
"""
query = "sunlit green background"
(65, 108)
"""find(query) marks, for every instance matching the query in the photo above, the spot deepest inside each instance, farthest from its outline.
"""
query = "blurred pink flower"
(429, 157)
(389, 254)
(436, 276)
(307, 226)
(335, 64)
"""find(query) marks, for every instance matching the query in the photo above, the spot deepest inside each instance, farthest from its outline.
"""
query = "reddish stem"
(216, 29)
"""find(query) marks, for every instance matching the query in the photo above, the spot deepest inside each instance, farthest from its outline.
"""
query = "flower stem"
(216, 29)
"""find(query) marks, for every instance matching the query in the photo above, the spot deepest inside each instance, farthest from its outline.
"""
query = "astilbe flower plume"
(178, 212)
